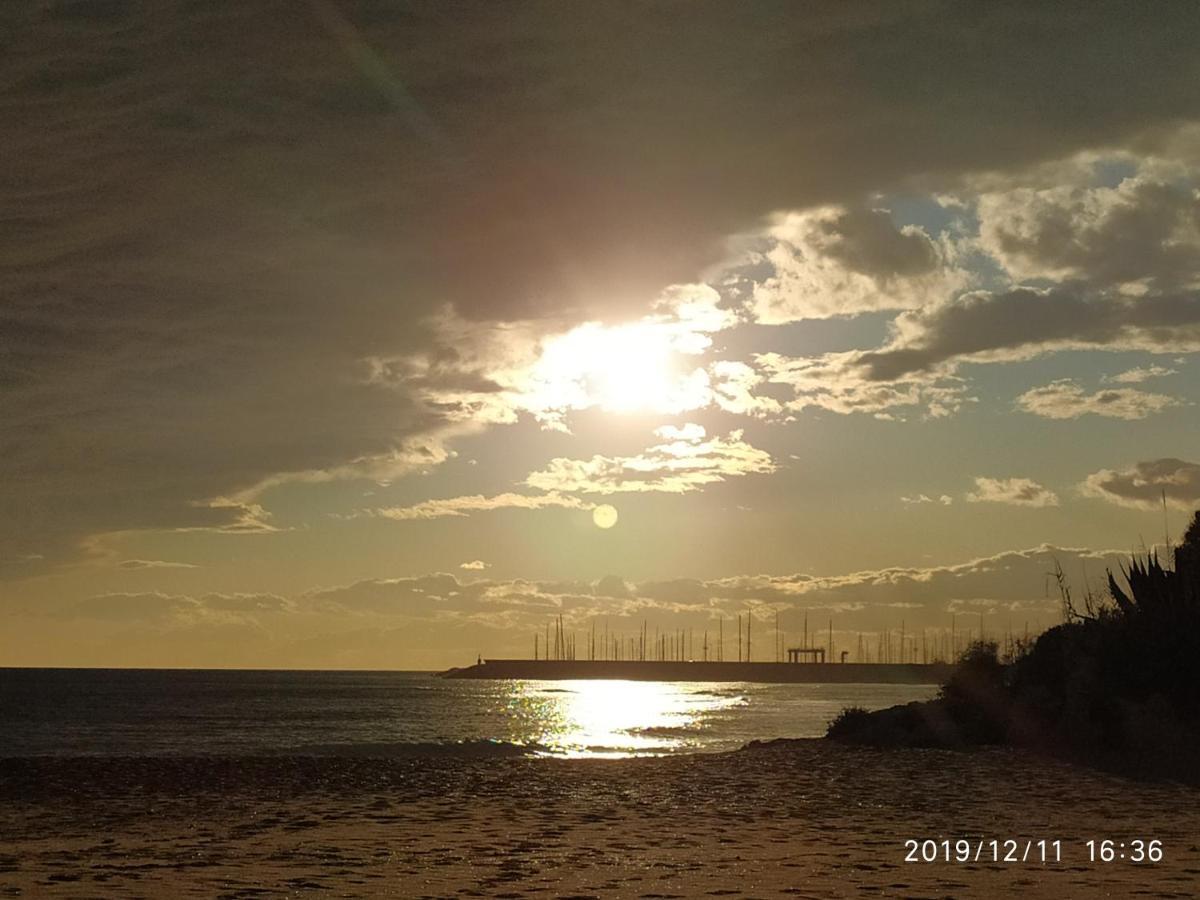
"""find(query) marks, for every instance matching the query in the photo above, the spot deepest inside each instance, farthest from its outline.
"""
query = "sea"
(139, 712)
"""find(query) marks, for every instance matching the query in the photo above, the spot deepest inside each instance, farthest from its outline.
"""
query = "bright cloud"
(919, 499)
(489, 373)
(1066, 399)
(687, 460)
(838, 382)
(837, 261)
(1013, 491)
(463, 506)
(1139, 374)
(733, 389)
(153, 564)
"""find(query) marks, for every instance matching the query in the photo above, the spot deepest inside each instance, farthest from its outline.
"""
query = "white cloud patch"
(1144, 484)
(465, 505)
(921, 499)
(1013, 491)
(733, 387)
(687, 460)
(1066, 399)
(475, 565)
(1139, 374)
(153, 564)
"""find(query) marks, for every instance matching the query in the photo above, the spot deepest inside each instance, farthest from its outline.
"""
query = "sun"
(604, 516)
(630, 368)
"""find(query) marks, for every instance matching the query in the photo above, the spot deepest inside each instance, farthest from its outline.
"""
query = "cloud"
(418, 596)
(1014, 491)
(693, 310)
(1144, 485)
(245, 603)
(1066, 399)
(920, 499)
(170, 610)
(841, 262)
(1125, 259)
(475, 565)
(1021, 323)
(1143, 234)
(1139, 374)
(427, 620)
(488, 373)
(612, 586)
(204, 261)
(147, 606)
(687, 460)
(840, 383)
(462, 506)
(733, 390)
(153, 564)
(1015, 581)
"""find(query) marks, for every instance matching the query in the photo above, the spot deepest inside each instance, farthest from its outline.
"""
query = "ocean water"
(84, 712)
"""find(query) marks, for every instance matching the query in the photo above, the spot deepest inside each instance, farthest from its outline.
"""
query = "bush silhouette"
(1119, 685)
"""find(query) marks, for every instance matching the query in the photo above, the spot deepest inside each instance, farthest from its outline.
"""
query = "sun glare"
(618, 718)
(622, 369)
(632, 370)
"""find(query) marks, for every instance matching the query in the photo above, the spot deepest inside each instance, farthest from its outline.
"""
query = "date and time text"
(1043, 851)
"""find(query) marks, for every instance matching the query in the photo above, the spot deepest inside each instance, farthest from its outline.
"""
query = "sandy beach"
(787, 819)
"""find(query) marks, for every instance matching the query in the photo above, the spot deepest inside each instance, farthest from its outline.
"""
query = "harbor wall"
(764, 672)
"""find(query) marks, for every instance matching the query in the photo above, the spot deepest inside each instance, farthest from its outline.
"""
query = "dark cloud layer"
(1146, 484)
(867, 241)
(214, 211)
(1145, 230)
(1025, 321)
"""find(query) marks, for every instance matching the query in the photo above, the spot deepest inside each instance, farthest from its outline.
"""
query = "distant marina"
(683, 655)
(700, 671)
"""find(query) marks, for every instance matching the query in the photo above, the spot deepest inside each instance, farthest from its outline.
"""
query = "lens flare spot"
(604, 516)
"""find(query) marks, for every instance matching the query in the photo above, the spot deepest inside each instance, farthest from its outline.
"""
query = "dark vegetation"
(1117, 684)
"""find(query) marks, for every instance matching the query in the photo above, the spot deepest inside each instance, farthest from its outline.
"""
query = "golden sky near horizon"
(379, 335)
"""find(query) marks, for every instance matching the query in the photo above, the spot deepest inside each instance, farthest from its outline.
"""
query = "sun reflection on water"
(615, 718)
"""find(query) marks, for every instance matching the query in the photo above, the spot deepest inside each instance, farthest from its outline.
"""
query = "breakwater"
(678, 670)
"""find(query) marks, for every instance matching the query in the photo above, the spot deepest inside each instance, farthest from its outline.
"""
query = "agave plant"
(1155, 590)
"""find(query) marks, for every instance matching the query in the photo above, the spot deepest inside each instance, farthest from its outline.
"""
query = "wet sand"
(788, 819)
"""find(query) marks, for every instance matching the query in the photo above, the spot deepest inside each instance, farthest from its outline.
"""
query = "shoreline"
(801, 817)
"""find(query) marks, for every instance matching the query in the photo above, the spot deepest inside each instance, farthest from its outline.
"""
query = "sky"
(379, 335)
